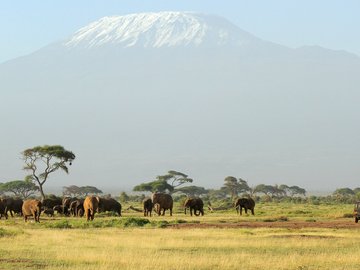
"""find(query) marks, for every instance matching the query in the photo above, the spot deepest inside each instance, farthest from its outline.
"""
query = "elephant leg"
(170, 212)
(246, 210)
(252, 211)
(240, 211)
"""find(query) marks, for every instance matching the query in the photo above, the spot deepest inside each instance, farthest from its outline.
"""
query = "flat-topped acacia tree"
(41, 161)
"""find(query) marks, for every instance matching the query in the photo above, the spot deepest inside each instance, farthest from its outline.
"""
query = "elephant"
(51, 202)
(109, 204)
(59, 209)
(3, 209)
(75, 206)
(91, 205)
(66, 201)
(246, 203)
(195, 204)
(148, 206)
(81, 212)
(49, 212)
(164, 201)
(13, 205)
(31, 208)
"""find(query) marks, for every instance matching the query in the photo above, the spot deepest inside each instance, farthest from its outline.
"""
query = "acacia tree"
(154, 186)
(74, 191)
(167, 182)
(41, 161)
(71, 191)
(235, 186)
(20, 188)
(175, 178)
(192, 191)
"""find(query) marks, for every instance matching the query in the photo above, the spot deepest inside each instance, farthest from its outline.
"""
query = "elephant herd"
(66, 206)
(161, 202)
(78, 207)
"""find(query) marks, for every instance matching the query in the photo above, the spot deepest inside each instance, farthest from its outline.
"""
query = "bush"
(61, 224)
(97, 223)
(7, 233)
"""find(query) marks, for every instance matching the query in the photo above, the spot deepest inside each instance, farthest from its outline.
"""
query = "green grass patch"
(8, 233)
(96, 223)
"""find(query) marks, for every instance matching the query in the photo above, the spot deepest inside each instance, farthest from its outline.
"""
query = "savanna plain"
(279, 236)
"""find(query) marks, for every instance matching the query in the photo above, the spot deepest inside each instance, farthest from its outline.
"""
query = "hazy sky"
(26, 26)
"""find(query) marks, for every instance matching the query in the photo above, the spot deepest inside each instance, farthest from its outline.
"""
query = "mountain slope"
(134, 96)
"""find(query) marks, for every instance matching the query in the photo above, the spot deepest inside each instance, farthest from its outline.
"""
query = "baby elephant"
(49, 212)
(148, 207)
(246, 203)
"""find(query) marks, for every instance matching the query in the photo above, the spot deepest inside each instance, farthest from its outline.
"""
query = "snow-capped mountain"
(134, 96)
(156, 30)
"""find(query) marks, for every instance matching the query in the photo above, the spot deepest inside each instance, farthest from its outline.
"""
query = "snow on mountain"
(162, 29)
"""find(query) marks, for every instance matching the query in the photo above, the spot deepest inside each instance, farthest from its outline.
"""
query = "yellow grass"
(34, 246)
(148, 248)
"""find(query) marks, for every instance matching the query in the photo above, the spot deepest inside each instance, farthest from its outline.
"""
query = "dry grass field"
(215, 241)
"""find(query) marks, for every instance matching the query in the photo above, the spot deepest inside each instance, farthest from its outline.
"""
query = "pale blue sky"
(26, 26)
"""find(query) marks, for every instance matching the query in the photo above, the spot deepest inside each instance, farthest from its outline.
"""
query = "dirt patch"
(304, 236)
(28, 263)
(277, 224)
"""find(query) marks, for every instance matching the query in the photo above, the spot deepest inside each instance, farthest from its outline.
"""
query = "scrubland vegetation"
(184, 242)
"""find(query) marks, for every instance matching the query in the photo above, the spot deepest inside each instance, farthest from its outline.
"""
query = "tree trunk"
(42, 193)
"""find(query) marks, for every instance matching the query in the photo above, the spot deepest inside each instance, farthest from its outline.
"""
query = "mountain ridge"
(161, 29)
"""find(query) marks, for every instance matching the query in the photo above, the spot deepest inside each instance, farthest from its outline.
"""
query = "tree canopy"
(19, 188)
(158, 185)
(165, 183)
(234, 186)
(192, 191)
(74, 191)
(344, 192)
(41, 161)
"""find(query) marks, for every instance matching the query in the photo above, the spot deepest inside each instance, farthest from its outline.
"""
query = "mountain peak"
(161, 29)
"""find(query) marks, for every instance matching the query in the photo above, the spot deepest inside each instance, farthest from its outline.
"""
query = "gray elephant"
(246, 203)
(196, 205)
(12, 205)
(109, 204)
(75, 206)
(148, 206)
(66, 201)
(162, 201)
(3, 209)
